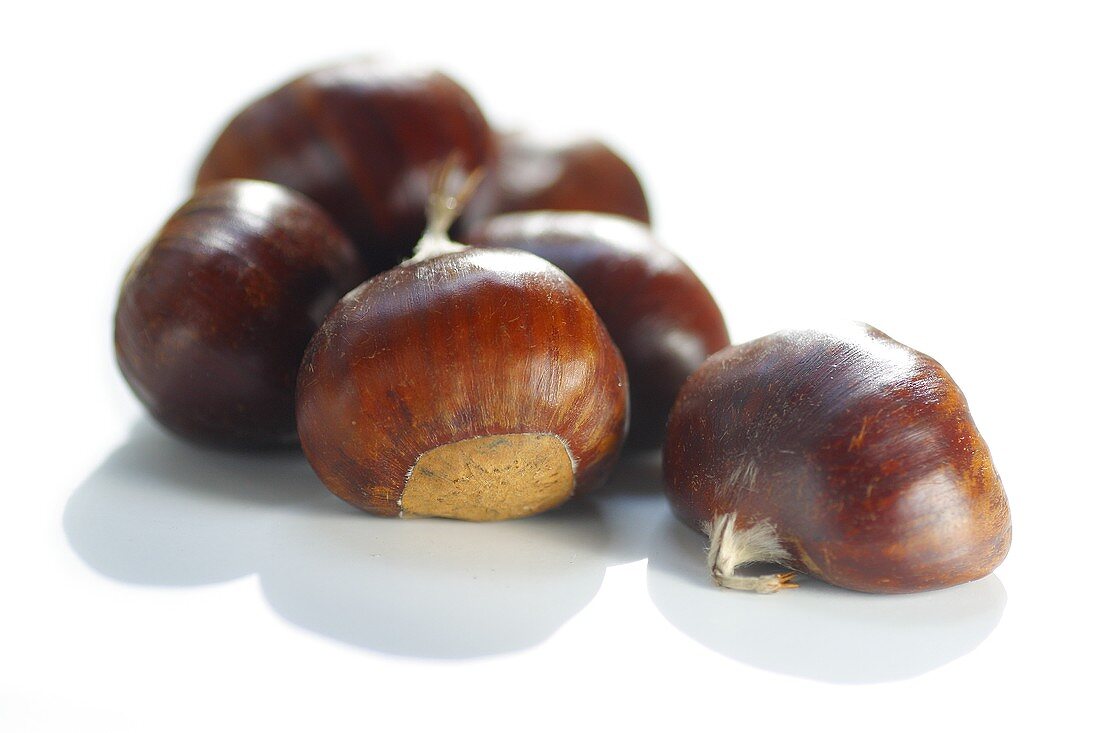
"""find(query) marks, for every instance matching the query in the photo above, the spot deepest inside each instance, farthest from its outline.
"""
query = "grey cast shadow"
(447, 589)
(818, 631)
(162, 512)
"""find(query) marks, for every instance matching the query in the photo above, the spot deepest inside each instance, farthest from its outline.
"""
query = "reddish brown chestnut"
(842, 454)
(658, 313)
(579, 175)
(358, 138)
(467, 383)
(215, 313)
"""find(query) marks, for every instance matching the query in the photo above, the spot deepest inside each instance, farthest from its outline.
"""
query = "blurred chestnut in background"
(578, 175)
(359, 139)
(842, 454)
(215, 313)
(658, 312)
(466, 383)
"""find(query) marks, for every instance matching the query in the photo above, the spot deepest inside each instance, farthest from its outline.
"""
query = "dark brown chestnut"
(658, 313)
(215, 313)
(359, 139)
(467, 383)
(576, 175)
(838, 453)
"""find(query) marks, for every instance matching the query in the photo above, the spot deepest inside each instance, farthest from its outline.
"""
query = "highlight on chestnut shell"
(215, 313)
(571, 175)
(467, 383)
(838, 453)
(359, 138)
(660, 315)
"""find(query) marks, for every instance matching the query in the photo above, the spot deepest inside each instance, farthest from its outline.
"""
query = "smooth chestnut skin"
(859, 450)
(457, 346)
(578, 175)
(216, 312)
(360, 139)
(658, 312)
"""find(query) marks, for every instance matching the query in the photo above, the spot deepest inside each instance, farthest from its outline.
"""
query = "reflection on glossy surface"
(819, 631)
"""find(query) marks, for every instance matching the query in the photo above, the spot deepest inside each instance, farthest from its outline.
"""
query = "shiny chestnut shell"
(458, 347)
(361, 139)
(575, 175)
(658, 312)
(859, 452)
(216, 312)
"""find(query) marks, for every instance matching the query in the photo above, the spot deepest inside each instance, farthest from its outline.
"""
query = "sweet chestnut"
(658, 312)
(839, 453)
(574, 175)
(467, 383)
(359, 139)
(215, 313)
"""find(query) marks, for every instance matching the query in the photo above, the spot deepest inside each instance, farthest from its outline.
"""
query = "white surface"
(931, 169)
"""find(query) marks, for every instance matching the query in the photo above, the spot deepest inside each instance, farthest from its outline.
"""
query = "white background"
(932, 168)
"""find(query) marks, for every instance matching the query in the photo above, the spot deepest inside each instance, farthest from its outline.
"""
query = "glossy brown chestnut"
(216, 312)
(580, 175)
(842, 454)
(359, 139)
(658, 313)
(476, 385)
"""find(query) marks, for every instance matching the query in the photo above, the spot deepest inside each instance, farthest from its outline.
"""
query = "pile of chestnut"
(311, 292)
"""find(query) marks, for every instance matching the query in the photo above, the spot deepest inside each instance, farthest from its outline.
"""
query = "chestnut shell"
(360, 139)
(658, 312)
(216, 312)
(458, 346)
(578, 175)
(860, 451)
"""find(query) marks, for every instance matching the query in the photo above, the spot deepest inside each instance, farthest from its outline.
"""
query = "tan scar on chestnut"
(490, 478)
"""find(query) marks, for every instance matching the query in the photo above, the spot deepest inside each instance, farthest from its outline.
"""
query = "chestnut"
(467, 383)
(215, 313)
(575, 175)
(658, 313)
(359, 139)
(839, 453)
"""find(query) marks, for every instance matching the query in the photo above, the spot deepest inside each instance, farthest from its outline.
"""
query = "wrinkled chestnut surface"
(860, 451)
(360, 139)
(216, 312)
(658, 313)
(580, 175)
(459, 346)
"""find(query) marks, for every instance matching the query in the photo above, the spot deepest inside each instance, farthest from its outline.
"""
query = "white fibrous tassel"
(443, 208)
(730, 548)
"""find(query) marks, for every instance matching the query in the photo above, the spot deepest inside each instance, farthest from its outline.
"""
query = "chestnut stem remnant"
(730, 548)
(443, 208)
(359, 138)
